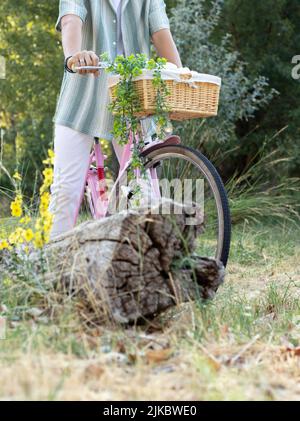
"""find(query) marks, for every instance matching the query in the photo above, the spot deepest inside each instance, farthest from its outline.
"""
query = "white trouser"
(71, 163)
(72, 151)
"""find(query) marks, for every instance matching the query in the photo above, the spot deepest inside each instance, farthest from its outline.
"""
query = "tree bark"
(134, 264)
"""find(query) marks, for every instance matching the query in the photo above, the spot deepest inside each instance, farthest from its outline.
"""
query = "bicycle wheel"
(191, 169)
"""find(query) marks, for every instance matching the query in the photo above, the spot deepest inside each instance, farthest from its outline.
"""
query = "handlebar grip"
(101, 66)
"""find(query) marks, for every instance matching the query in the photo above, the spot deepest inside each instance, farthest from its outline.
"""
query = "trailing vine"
(162, 92)
(126, 105)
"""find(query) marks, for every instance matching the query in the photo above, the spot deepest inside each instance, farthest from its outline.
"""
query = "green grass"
(238, 346)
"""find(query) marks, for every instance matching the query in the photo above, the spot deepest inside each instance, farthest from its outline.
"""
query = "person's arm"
(160, 33)
(71, 28)
(166, 47)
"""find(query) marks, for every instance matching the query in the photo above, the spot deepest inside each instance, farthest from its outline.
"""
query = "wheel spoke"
(191, 170)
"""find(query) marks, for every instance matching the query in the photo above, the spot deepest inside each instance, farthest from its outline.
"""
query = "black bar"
(147, 410)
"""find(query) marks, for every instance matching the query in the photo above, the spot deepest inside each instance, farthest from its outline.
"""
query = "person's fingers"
(94, 58)
(88, 60)
(82, 62)
(84, 58)
(94, 61)
(78, 61)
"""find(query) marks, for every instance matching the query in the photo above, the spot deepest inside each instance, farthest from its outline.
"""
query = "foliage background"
(247, 43)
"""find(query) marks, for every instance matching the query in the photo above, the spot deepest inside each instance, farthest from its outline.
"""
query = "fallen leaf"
(293, 350)
(93, 371)
(297, 351)
(158, 355)
(214, 363)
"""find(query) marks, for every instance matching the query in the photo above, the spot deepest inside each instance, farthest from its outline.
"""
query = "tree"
(32, 51)
(193, 25)
(267, 36)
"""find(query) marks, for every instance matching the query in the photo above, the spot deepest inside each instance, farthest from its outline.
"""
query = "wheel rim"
(190, 166)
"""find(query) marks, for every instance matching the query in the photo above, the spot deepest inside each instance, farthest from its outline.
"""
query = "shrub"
(193, 25)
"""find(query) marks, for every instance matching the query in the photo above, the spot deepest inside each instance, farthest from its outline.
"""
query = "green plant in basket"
(126, 105)
(162, 92)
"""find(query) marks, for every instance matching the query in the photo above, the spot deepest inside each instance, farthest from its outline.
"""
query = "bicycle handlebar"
(101, 65)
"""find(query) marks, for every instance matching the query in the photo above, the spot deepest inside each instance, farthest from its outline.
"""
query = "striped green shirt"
(83, 100)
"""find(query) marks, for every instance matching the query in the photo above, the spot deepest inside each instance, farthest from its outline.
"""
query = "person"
(90, 28)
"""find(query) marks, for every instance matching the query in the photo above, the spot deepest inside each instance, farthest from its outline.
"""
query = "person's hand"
(84, 58)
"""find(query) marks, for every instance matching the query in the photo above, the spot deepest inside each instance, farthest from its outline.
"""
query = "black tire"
(154, 155)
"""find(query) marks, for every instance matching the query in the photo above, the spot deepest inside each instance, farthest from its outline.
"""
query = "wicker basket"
(187, 100)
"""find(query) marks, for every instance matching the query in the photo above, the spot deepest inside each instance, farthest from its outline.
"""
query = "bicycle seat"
(168, 141)
(172, 140)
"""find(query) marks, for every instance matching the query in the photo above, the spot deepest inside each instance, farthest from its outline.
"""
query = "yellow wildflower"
(28, 235)
(25, 220)
(48, 175)
(50, 159)
(48, 224)
(16, 206)
(51, 153)
(40, 234)
(47, 172)
(16, 210)
(43, 188)
(38, 240)
(4, 245)
(45, 199)
(39, 224)
(43, 211)
(17, 176)
(46, 196)
(48, 182)
(20, 235)
(12, 238)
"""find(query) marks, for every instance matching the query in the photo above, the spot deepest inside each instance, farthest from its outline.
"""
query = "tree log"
(134, 264)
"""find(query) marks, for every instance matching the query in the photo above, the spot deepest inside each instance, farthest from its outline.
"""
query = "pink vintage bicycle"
(173, 171)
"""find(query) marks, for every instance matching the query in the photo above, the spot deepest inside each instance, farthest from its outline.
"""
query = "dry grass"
(261, 374)
(242, 346)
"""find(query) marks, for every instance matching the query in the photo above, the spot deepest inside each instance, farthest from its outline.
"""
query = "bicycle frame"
(95, 177)
(96, 180)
